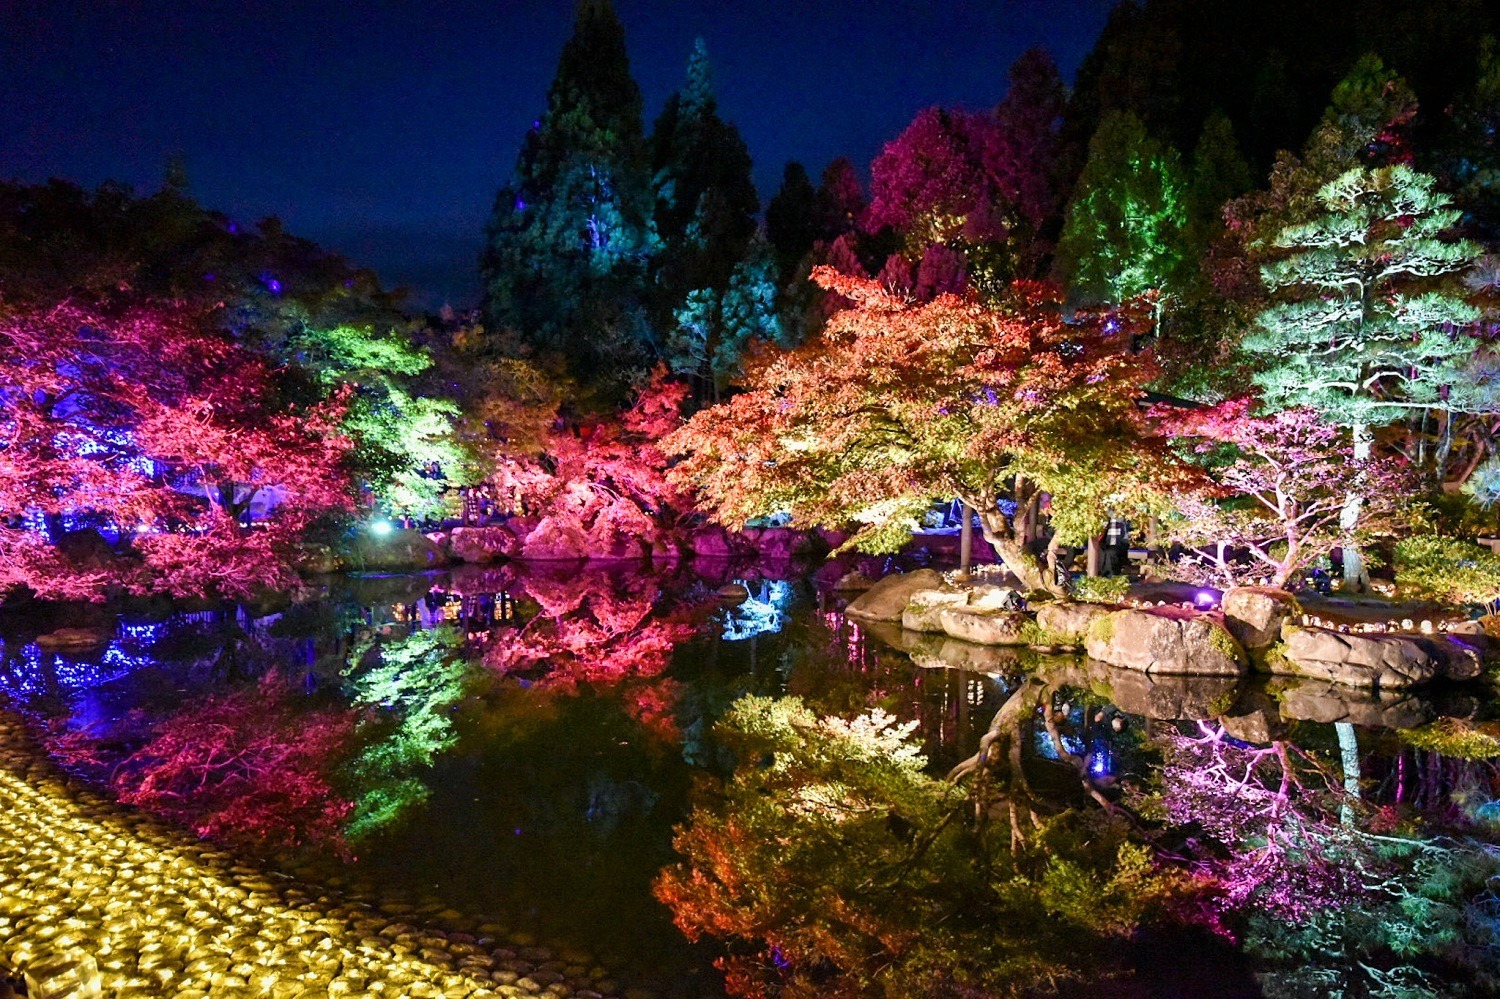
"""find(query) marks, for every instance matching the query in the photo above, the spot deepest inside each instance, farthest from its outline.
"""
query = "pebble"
(166, 916)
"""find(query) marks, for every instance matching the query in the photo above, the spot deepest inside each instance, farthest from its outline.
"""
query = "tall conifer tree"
(570, 241)
(1366, 329)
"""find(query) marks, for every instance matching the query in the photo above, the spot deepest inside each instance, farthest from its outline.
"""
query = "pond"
(505, 753)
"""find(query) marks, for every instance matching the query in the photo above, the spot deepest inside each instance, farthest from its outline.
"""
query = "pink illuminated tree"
(1282, 480)
(151, 424)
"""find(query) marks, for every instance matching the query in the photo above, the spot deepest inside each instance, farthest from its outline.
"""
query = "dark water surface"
(516, 745)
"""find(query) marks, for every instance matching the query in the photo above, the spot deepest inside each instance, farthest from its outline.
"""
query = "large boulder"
(1458, 657)
(86, 549)
(985, 627)
(1067, 623)
(1164, 641)
(398, 550)
(924, 609)
(1254, 717)
(951, 653)
(887, 599)
(1377, 661)
(1254, 614)
(481, 545)
(776, 542)
(712, 542)
(987, 596)
(1321, 701)
(75, 639)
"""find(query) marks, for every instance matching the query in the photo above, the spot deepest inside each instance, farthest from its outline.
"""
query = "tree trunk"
(965, 539)
(1014, 556)
(1349, 756)
(1092, 561)
(1356, 575)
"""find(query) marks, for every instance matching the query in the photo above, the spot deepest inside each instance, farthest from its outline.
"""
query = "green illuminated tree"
(570, 241)
(1126, 225)
(406, 445)
(713, 329)
(1365, 327)
(409, 686)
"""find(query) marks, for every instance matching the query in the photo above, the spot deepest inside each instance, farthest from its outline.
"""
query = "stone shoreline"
(86, 884)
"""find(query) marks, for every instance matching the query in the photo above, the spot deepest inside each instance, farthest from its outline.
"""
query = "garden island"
(1058, 556)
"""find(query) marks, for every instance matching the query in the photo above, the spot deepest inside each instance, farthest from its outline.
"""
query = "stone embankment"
(99, 900)
(1255, 629)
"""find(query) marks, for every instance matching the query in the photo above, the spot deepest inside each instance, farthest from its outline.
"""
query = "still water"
(515, 746)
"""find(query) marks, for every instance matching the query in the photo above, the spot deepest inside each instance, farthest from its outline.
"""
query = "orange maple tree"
(898, 405)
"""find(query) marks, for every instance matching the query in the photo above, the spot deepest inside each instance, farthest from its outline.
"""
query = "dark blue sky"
(382, 128)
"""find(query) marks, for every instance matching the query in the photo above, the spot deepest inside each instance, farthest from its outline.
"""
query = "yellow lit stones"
(91, 893)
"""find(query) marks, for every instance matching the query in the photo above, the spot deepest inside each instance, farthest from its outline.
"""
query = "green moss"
(1102, 629)
(1101, 589)
(1221, 704)
(1034, 634)
(1223, 642)
(1274, 658)
(1456, 738)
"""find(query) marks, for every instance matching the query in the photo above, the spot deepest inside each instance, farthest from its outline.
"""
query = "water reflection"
(519, 744)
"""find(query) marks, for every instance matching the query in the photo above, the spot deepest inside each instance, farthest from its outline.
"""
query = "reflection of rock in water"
(1168, 698)
(1320, 701)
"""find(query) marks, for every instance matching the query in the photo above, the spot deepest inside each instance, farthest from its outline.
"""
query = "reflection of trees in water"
(1337, 894)
(831, 863)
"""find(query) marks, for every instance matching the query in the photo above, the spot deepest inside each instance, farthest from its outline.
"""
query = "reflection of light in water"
(763, 612)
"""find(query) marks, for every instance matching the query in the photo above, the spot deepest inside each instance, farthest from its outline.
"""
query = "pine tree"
(715, 328)
(1125, 229)
(570, 240)
(705, 197)
(1367, 330)
(791, 225)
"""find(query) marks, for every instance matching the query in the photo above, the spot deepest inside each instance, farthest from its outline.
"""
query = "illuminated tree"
(897, 406)
(1365, 329)
(409, 687)
(569, 243)
(714, 329)
(150, 426)
(705, 199)
(1318, 885)
(600, 485)
(405, 449)
(597, 633)
(1124, 232)
(1285, 480)
(251, 766)
(1028, 156)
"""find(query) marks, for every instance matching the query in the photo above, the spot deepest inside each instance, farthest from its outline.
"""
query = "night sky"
(382, 129)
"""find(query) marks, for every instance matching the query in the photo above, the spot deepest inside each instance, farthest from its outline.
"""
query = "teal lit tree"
(714, 329)
(1367, 325)
(570, 241)
(1125, 229)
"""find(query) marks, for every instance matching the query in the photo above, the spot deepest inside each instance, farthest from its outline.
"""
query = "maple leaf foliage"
(248, 765)
(1283, 481)
(603, 483)
(148, 423)
(595, 631)
(898, 405)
